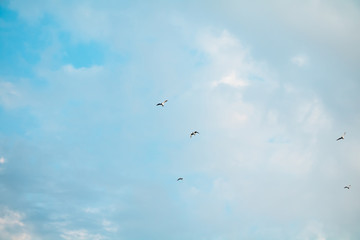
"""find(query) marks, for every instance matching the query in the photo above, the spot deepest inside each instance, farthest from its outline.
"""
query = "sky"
(85, 153)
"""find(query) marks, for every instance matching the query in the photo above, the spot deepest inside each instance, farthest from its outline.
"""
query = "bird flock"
(196, 132)
(342, 138)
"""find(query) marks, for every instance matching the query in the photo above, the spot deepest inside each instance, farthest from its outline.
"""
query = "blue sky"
(270, 85)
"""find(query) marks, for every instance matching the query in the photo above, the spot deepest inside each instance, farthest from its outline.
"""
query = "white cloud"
(240, 117)
(244, 119)
(10, 218)
(12, 226)
(327, 22)
(92, 210)
(2, 160)
(109, 226)
(231, 80)
(231, 64)
(230, 61)
(9, 95)
(22, 236)
(313, 230)
(218, 45)
(332, 23)
(292, 160)
(80, 234)
(312, 115)
(69, 73)
(299, 60)
(71, 70)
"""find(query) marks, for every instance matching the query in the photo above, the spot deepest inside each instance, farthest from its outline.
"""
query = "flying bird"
(180, 179)
(342, 137)
(193, 133)
(162, 103)
(348, 186)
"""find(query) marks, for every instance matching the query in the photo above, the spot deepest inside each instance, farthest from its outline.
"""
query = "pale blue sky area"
(85, 153)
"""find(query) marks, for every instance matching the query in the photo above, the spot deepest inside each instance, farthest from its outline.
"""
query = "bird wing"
(165, 101)
(158, 104)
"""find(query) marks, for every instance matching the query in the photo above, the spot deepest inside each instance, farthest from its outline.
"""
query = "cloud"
(243, 119)
(9, 95)
(82, 72)
(2, 160)
(10, 218)
(292, 160)
(229, 60)
(313, 230)
(12, 226)
(299, 60)
(92, 210)
(234, 91)
(232, 81)
(109, 226)
(312, 115)
(80, 234)
(230, 63)
(330, 23)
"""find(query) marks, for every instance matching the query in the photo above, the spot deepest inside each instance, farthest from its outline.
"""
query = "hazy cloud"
(12, 225)
(80, 234)
(232, 81)
(100, 161)
(299, 60)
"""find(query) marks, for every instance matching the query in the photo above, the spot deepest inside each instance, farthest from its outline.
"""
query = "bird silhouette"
(193, 133)
(180, 179)
(162, 103)
(342, 137)
(348, 186)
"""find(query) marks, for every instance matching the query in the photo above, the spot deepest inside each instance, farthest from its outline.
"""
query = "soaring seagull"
(162, 103)
(342, 137)
(348, 186)
(193, 133)
(180, 179)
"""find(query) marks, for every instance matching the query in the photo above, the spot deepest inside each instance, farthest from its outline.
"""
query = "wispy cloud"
(109, 226)
(92, 210)
(231, 80)
(264, 130)
(299, 60)
(231, 62)
(313, 230)
(10, 218)
(9, 95)
(80, 234)
(312, 115)
(12, 225)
